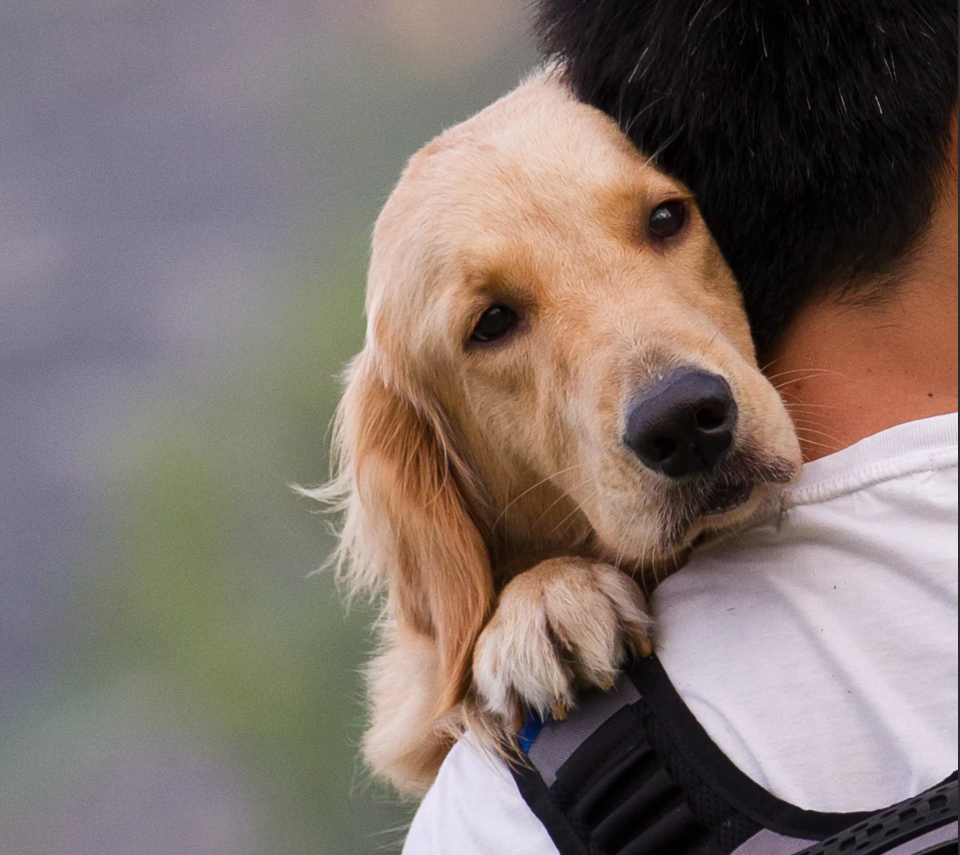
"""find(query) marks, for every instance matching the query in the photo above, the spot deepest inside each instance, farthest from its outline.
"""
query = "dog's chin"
(746, 486)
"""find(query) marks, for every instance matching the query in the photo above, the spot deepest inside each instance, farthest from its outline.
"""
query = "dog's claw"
(566, 624)
(644, 645)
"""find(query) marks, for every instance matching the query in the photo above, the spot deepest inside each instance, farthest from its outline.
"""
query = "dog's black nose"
(684, 424)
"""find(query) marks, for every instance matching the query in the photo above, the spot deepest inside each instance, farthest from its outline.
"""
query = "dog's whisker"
(829, 447)
(573, 513)
(788, 378)
(772, 377)
(656, 570)
(529, 490)
(643, 573)
(820, 436)
(810, 370)
(779, 374)
(783, 388)
(792, 405)
(793, 399)
(768, 365)
(804, 418)
(622, 547)
(560, 498)
(809, 424)
(806, 428)
(803, 378)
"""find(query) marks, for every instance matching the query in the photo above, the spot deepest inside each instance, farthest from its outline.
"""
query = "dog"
(556, 399)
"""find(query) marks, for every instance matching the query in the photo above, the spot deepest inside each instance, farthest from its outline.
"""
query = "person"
(819, 649)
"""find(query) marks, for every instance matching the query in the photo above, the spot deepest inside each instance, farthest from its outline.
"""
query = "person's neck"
(847, 371)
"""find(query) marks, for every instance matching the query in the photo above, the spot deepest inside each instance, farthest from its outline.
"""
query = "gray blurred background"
(187, 188)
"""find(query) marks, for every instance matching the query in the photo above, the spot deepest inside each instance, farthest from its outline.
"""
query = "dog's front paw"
(565, 624)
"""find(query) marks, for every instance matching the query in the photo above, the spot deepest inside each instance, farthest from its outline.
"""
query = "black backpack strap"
(549, 745)
(925, 825)
(631, 772)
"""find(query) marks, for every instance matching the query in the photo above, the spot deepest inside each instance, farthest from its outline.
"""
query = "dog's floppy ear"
(406, 524)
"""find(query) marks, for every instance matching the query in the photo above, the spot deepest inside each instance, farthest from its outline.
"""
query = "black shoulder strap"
(631, 772)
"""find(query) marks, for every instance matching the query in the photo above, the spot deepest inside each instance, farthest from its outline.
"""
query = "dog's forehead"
(536, 146)
(529, 183)
(536, 156)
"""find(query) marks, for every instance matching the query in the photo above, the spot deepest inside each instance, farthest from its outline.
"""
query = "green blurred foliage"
(198, 619)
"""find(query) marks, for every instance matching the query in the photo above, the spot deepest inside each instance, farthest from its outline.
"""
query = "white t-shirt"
(818, 649)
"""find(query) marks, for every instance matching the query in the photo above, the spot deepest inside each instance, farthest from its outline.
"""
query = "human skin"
(850, 368)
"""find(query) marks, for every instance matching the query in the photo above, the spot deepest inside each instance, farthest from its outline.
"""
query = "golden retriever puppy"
(557, 396)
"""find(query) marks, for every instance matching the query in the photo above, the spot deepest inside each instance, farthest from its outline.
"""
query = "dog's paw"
(565, 624)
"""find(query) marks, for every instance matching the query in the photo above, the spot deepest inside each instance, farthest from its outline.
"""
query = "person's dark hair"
(814, 133)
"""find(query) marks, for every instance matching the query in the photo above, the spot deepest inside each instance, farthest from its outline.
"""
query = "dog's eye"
(494, 324)
(667, 219)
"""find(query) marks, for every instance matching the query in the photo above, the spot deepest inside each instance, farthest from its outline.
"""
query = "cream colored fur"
(486, 491)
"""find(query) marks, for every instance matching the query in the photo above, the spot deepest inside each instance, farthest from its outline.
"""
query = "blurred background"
(187, 189)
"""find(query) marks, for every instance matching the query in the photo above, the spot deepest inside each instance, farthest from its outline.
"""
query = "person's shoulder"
(475, 808)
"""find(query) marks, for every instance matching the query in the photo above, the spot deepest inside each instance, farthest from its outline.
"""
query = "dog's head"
(557, 360)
